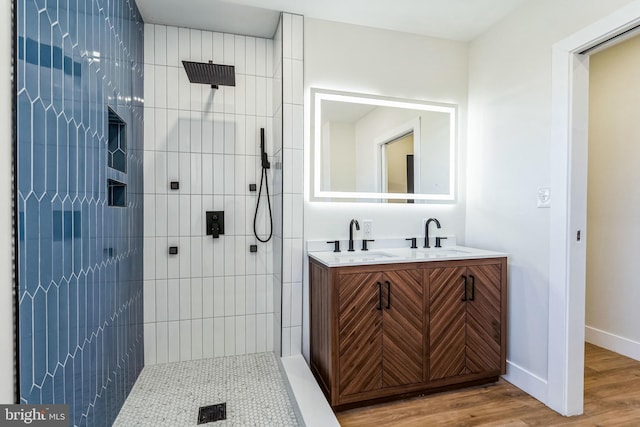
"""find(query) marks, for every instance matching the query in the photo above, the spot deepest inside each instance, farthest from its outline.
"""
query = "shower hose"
(265, 166)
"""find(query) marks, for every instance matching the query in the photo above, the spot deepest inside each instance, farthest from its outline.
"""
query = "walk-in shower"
(119, 157)
(212, 298)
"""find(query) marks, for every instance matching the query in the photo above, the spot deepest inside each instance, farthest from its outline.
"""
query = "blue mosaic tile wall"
(80, 260)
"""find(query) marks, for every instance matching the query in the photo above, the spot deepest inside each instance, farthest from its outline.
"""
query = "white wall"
(509, 157)
(613, 210)
(214, 298)
(339, 150)
(6, 233)
(386, 63)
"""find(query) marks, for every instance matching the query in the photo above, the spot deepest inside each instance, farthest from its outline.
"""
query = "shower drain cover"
(211, 413)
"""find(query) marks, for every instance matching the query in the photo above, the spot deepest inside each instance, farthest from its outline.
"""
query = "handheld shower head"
(264, 157)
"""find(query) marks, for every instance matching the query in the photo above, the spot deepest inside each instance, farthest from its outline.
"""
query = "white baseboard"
(613, 342)
(527, 381)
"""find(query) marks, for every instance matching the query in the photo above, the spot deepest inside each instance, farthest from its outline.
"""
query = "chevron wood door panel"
(483, 319)
(359, 333)
(402, 342)
(447, 322)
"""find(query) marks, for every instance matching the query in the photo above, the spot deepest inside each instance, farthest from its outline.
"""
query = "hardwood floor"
(612, 398)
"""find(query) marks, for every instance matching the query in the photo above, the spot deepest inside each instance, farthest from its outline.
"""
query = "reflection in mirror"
(397, 166)
(380, 149)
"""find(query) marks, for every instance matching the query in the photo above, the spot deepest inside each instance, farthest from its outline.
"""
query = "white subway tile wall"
(214, 298)
(276, 108)
(291, 157)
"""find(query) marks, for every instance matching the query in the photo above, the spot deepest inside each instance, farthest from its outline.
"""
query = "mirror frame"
(319, 95)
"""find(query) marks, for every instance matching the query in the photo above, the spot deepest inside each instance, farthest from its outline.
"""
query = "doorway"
(613, 199)
(570, 91)
(397, 166)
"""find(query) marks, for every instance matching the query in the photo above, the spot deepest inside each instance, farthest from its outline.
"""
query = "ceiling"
(461, 20)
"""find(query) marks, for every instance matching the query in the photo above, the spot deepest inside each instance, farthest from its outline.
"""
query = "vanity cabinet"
(367, 327)
(466, 307)
(394, 330)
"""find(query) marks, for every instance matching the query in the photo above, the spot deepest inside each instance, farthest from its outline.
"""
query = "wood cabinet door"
(447, 322)
(359, 333)
(483, 318)
(402, 326)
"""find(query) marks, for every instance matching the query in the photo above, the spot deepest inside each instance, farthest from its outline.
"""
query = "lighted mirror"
(371, 148)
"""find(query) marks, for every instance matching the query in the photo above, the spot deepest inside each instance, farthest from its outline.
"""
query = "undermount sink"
(440, 251)
(364, 256)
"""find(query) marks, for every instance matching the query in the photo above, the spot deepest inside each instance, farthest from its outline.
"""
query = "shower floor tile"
(170, 395)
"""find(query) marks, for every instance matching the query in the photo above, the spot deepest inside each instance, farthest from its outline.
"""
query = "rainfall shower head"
(210, 73)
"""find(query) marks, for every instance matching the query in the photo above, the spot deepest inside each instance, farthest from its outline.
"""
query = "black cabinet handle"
(379, 296)
(465, 288)
(388, 293)
(473, 288)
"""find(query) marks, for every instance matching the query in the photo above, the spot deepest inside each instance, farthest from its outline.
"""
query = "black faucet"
(336, 245)
(426, 231)
(353, 221)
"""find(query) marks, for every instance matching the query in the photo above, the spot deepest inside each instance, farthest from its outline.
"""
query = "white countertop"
(400, 255)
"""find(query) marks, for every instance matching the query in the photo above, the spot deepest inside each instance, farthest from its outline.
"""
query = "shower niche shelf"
(117, 193)
(117, 149)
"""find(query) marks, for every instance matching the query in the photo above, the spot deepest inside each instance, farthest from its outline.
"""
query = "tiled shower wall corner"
(277, 184)
(213, 298)
(292, 179)
(80, 283)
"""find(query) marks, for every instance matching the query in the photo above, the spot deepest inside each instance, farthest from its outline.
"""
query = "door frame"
(410, 127)
(567, 255)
